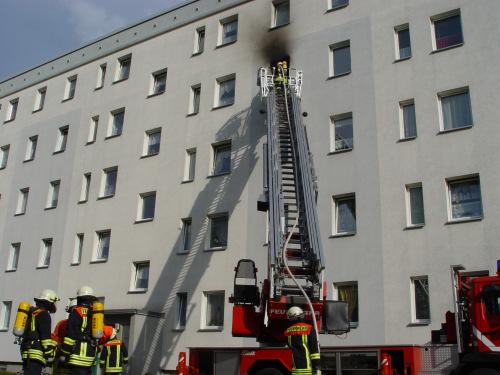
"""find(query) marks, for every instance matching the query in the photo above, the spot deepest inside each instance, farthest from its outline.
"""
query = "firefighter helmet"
(85, 291)
(48, 295)
(71, 303)
(295, 313)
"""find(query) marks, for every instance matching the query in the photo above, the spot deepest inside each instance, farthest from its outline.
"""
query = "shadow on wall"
(183, 273)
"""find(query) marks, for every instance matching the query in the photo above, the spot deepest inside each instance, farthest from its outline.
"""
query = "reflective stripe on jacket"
(301, 339)
(78, 342)
(113, 356)
(37, 342)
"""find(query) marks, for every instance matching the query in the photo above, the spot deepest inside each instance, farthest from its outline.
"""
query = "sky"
(35, 31)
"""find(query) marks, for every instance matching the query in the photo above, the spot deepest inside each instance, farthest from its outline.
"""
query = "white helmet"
(295, 313)
(85, 291)
(48, 295)
(113, 334)
(71, 303)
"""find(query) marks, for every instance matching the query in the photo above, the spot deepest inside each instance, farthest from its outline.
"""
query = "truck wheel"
(269, 371)
(485, 371)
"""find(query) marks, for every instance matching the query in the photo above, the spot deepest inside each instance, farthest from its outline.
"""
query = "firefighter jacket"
(301, 338)
(58, 335)
(37, 344)
(78, 343)
(113, 356)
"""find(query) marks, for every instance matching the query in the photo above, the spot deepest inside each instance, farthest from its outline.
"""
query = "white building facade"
(133, 164)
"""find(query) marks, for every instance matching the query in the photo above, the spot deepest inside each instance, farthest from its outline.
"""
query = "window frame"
(408, 188)
(5, 315)
(104, 182)
(31, 148)
(4, 150)
(97, 246)
(190, 165)
(335, 217)
(84, 191)
(199, 48)
(194, 92)
(332, 7)
(215, 150)
(45, 253)
(218, 84)
(112, 123)
(101, 76)
(78, 249)
(442, 17)
(93, 127)
(53, 195)
(458, 180)
(402, 129)
(397, 47)
(414, 320)
(146, 145)
(204, 326)
(22, 201)
(154, 84)
(336, 47)
(186, 223)
(141, 207)
(40, 99)
(449, 93)
(120, 65)
(133, 279)
(70, 88)
(14, 254)
(336, 296)
(62, 139)
(11, 113)
(222, 23)
(181, 301)
(333, 142)
(209, 241)
(274, 15)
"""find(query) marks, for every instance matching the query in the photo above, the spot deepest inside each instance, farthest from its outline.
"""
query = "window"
(94, 124)
(5, 311)
(123, 71)
(213, 310)
(225, 91)
(159, 82)
(221, 159)
(340, 59)
(348, 292)
(420, 300)
(341, 132)
(77, 251)
(190, 165)
(101, 75)
(334, 4)
(228, 30)
(281, 13)
(31, 148)
(414, 205)
(102, 245)
(194, 99)
(345, 215)
(62, 139)
(69, 92)
(181, 310)
(218, 231)
(455, 109)
(84, 192)
(53, 197)
(12, 110)
(140, 277)
(146, 209)
(186, 234)
(152, 142)
(407, 119)
(13, 260)
(22, 201)
(464, 199)
(116, 122)
(108, 186)
(403, 45)
(199, 40)
(4, 156)
(45, 252)
(447, 30)
(40, 99)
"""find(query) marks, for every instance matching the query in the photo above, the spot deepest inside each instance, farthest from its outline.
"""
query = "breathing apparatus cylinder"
(97, 320)
(21, 319)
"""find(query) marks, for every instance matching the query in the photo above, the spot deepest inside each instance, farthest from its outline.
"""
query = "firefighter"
(278, 80)
(302, 340)
(58, 335)
(78, 348)
(38, 348)
(114, 355)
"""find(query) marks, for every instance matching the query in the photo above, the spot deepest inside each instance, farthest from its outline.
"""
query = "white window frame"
(12, 110)
(182, 303)
(120, 66)
(147, 137)
(331, 58)
(336, 297)
(94, 125)
(84, 192)
(14, 254)
(189, 165)
(192, 110)
(332, 7)
(45, 253)
(78, 249)
(154, 79)
(213, 157)
(62, 139)
(133, 279)
(204, 307)
(447, 93)
(333, 141)
(140, 206)
(210, 218)
(197, 37)
(397, 30)
(185, 223)
(222, 22)
(414, 319)
(101, 76)
(402, 105)
(5, 315)
(5, 150)
(31, 148)
(111, 122)
(274, 15)
(97, 244)
(22, 201)
(70, 89)
(335, 200)
(104, 182)
(456, 180)
(40, 99)
(441, 17)
(53, 195)
(408, 187)
(218, 82)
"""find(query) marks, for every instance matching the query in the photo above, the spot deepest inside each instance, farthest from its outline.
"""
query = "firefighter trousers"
(32, 368)
(81, 370)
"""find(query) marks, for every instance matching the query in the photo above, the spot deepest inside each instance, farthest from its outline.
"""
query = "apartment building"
(133, 164)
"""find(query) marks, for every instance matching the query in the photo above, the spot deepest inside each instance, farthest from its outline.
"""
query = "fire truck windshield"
(491, 297)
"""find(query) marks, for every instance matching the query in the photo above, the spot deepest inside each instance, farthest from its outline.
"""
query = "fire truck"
(468, 343)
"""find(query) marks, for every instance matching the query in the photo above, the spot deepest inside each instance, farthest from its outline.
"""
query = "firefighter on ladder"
(38, 348)
(302, 340)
